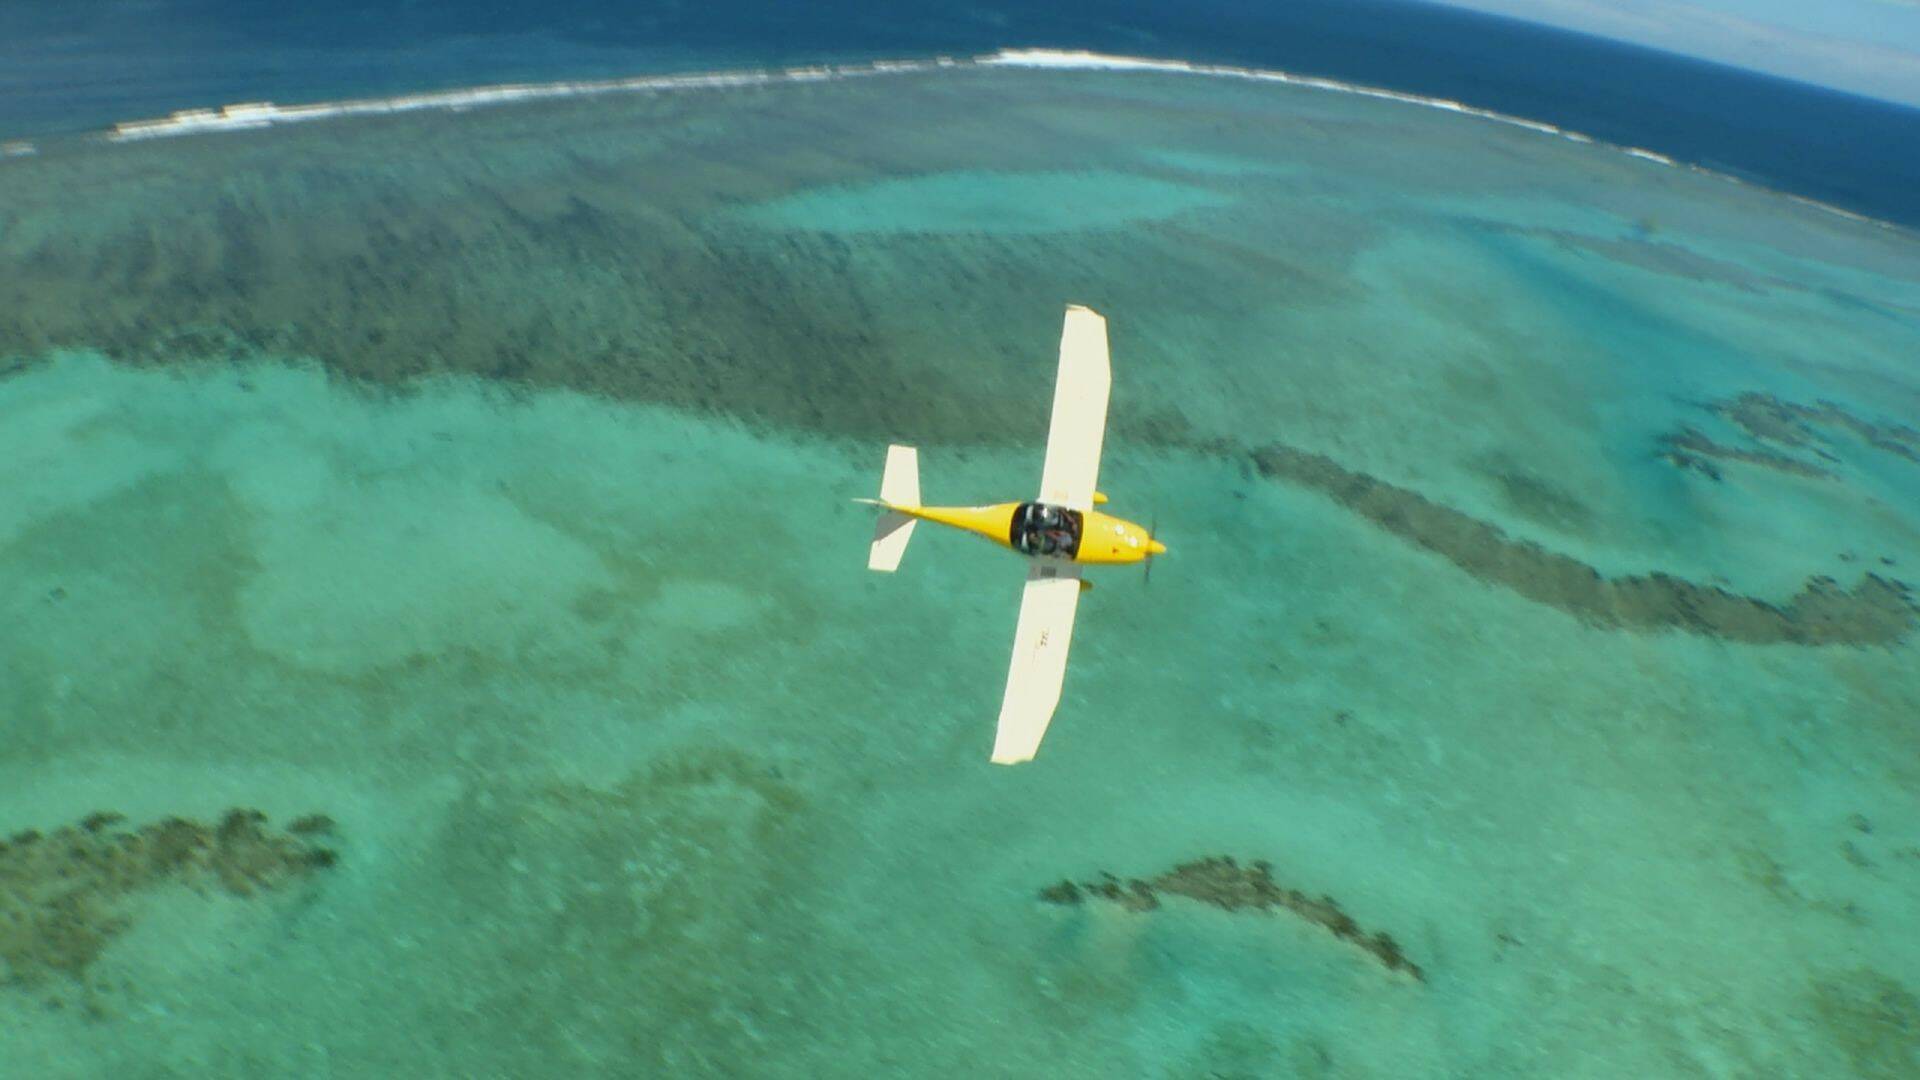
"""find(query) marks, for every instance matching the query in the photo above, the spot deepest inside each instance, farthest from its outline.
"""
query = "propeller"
(1153, 527)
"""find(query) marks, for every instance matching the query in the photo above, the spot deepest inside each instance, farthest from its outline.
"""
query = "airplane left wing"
(1039, 660)
(1079, 424)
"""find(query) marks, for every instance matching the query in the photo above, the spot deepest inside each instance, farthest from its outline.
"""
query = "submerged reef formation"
(1688, 448)
(663, 268)
(1647, 251)
(1787, 430)
(66, 894)
(1227, 885)
(1768, 419)
(1876, 611)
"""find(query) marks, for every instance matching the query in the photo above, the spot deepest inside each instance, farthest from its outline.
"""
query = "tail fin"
(899, 486)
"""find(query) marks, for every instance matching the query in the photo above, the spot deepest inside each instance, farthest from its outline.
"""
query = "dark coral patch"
(1787, 433)
(64, 896)
(1768, 419)
(1690, 449)
(1225, 884)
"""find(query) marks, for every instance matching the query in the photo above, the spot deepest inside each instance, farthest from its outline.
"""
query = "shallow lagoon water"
(481, 482)
(984, 203)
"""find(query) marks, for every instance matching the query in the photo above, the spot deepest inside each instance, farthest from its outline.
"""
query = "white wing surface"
(1079, 423)
(1039, 660)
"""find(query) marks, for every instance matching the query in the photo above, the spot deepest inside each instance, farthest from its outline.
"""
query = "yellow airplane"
(1060, 532)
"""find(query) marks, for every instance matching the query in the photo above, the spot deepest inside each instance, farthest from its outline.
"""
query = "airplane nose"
(1155, 547)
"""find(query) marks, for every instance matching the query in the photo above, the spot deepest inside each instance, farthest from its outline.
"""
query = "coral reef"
(652, 284)
(1688, 448)
(1768, 419)
(1227, 885)
(1788, 427)
(1876, 611)
(66, 894)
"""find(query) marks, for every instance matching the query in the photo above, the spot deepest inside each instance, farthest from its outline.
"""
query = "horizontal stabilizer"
(890, 538)
(899, 486)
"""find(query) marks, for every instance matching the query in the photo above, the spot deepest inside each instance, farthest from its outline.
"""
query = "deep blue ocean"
(68, 66)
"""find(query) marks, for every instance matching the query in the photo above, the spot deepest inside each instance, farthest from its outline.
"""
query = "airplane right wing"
(1039, 664)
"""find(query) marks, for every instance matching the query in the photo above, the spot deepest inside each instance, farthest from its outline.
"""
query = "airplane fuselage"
(1090, 536)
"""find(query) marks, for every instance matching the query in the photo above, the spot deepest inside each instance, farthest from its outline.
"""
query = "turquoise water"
(481, 483)
(984, 203)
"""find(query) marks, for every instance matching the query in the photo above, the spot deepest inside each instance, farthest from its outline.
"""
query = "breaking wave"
(254, 115)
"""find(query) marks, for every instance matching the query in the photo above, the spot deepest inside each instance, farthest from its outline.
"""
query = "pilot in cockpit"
(1051, 530)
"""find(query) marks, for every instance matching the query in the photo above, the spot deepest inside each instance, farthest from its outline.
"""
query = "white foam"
(258, 114)
(17, 148)
(1648, 155)
(1064, 59)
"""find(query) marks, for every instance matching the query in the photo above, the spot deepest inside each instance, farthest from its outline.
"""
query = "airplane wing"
(1039, 660)
(1079, 412)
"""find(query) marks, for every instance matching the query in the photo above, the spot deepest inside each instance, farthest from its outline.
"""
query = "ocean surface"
(67, 67)
(435, 636)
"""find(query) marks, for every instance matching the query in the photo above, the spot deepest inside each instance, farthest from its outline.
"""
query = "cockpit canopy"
(1043, 529)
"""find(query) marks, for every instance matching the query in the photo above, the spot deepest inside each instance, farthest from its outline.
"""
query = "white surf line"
(1064, 59)
(260, 114)
(1069, 60)
(18, 148)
